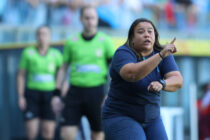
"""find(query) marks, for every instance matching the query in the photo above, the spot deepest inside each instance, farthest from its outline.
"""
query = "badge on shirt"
(51, 67)
(98, 53)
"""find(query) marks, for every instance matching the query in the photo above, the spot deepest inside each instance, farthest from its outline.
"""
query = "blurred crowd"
(116, 14)
(203, 105)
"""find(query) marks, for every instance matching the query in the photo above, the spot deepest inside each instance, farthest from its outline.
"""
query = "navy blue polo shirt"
(132, 98)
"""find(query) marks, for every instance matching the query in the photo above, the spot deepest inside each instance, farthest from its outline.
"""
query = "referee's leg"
(32, 128)
(71, 114)
(47, 116)
(31, 114)
(93, 101)
(48, 129)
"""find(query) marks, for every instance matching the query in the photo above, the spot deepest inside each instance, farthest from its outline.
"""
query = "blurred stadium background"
(187, 20)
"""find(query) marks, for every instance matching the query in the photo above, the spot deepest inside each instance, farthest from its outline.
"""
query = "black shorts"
(38, 105)
(83, 101)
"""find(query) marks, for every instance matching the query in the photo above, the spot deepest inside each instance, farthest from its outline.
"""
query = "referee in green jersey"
(39, 64)
(88, 54)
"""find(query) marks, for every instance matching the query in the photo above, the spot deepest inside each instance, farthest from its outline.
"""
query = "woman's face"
(43, 36)
(144, 37)
(89, 19)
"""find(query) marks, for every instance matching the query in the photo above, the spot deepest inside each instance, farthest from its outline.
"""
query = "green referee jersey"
(88, 59)
(41, 70)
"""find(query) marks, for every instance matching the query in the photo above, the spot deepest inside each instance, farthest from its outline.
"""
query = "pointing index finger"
(172, 42)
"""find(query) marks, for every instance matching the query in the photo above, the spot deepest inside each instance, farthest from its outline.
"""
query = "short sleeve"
(23, 60)
(66, 52)
(122, 57)
(168, 64)
(109, 47)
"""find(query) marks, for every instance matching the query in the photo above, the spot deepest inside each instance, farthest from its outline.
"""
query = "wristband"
(163, 83)
(160, 55)
(57, 92)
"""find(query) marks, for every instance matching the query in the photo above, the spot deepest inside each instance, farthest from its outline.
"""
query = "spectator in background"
(170, 13)
(39, 63)
(110, 13)
(204, 13)
(66, 12)
(59, 12)
(186, 14)
(34, 12)
(88, 54)
(12, 10)
(156, 7)
(130, 10)
(204, 113)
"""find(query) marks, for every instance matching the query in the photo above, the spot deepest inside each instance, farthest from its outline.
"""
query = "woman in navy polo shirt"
(140, 69)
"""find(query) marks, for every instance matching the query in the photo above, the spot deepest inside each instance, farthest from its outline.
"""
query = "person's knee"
(68, 133)
(31, 135)
(32, 129)
(48, 133)
(97, 135)
(67, 136)
(48, 129)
